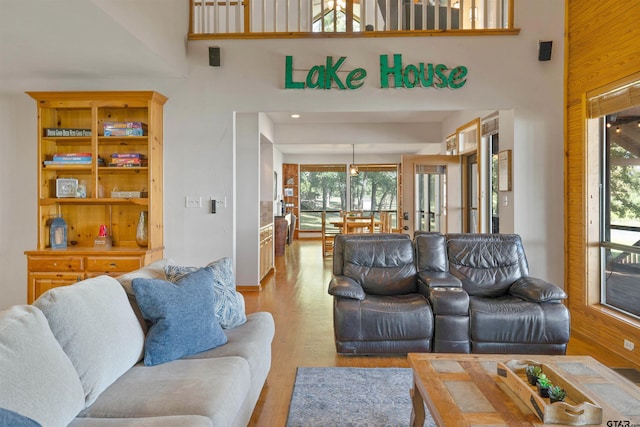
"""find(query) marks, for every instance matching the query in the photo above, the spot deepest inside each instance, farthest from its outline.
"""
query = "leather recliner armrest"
(536, 290)
(449, 301)
(345, 287)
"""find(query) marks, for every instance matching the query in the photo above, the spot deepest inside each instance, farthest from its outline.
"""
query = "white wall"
(18, 210)
(201, 154)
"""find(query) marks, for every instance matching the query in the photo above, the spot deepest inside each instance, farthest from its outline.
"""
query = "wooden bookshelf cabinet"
(114, 196)
(290, 182)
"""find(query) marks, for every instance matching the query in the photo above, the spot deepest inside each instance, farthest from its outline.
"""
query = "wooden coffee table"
(465, 390)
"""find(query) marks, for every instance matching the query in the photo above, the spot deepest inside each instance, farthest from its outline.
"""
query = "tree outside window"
(324, 188)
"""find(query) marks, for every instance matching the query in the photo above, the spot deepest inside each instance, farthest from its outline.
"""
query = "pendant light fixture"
(353, 169)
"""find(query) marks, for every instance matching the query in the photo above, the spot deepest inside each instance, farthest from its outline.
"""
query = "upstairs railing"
(348, 18)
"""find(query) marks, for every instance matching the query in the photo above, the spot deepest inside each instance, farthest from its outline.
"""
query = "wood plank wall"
(603, 46)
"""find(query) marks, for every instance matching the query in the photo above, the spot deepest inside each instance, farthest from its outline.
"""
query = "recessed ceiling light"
(295, 116)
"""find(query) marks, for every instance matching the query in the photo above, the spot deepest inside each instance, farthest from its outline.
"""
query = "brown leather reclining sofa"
(454, 293)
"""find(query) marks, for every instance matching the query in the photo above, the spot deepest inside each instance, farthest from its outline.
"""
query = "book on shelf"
(68, 155)
(127, 156)
(71, 159)
(127, 162)
(70, 162)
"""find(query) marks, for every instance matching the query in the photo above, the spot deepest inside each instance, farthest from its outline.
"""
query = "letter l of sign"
(288, 80)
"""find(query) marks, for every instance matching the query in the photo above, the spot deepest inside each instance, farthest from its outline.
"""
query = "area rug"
(352, 397)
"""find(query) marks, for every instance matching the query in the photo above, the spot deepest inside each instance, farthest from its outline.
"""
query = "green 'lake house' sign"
(392, 74)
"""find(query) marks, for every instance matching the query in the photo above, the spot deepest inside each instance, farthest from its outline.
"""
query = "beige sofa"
(74, 358)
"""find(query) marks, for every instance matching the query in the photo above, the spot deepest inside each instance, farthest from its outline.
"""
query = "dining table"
(357, 224)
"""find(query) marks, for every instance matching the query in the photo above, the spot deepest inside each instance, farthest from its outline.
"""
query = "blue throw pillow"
(229, 305)
(182, 322)
(13, 419)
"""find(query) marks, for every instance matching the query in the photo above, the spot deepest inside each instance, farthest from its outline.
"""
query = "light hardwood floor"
(296, 295)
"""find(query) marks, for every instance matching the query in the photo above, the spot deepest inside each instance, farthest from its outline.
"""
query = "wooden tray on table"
(577, 409)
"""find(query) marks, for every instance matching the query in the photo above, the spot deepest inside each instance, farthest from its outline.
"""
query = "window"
(616, 122)
(324, 188)
(375, 189)
(333, 18)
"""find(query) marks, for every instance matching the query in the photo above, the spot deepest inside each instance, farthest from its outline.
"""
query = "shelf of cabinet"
(132, 169)
(94, 201)
(73, 111)
(68, 140)
(67, 168)
(122, 140)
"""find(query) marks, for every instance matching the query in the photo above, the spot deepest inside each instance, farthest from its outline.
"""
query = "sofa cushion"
(509, 319)
(486, 264)
(182, 316)
(341, 239)
(37, 379)
(388, 318)
(13, 419)
(381, 267)
(165, 421)
(251, 341)
(229, 305)
(215, 388)
(155, 270)
(97, 328)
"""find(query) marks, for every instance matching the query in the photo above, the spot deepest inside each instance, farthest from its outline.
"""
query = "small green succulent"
(533, 370)
(557, 393)
(543, 381)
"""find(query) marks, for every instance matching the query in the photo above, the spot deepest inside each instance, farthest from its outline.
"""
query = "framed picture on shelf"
(288, 192)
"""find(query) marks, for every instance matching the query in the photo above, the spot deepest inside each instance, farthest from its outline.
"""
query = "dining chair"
(385, 222)
(329, 232)
(358, 224)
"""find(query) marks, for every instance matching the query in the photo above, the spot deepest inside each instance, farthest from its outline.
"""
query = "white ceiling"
(372, 117)
(361, 117)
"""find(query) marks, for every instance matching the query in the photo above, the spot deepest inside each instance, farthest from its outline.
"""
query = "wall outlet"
(193, 202)
(629, 345)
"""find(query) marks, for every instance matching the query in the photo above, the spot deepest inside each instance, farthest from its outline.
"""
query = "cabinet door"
(40, 283)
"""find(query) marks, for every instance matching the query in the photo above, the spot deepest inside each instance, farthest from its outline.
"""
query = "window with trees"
(331, 189)
(616, 119)
(375, 189)
(322, 188)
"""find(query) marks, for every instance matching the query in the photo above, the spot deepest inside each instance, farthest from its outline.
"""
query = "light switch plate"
(193, 202)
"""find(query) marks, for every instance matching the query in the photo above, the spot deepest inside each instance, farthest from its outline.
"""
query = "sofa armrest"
(345, 287)
(449, 301)
(433, 279)
(536, 290)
